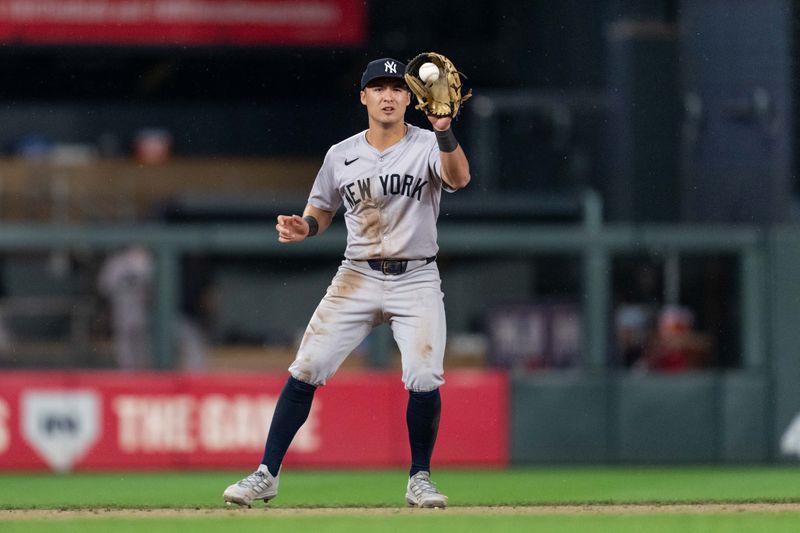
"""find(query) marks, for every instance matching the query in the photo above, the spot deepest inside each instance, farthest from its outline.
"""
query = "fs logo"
(390, 66)
(60, 426)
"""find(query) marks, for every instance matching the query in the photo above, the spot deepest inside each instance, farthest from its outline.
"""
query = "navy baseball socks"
(291, 412)
(294, 404)
(422, 417)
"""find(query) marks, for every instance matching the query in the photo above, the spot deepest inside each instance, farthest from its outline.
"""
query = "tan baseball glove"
(437, 95)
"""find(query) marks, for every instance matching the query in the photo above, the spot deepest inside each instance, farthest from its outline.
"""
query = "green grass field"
(547, 499)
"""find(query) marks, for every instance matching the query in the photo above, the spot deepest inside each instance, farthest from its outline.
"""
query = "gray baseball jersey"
(392, 202)
(391, 197)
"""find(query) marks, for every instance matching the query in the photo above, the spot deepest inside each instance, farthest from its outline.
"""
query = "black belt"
(395, 266)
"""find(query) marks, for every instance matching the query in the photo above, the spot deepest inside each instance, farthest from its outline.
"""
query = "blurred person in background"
(126, 280)
(676, 345)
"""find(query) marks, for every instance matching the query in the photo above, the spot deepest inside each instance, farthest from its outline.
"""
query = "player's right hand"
(291, 228)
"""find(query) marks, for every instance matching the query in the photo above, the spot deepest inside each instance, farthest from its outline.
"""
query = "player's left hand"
(440, 123)
(291, 228)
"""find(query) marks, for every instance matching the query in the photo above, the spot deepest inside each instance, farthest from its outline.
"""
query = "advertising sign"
(111, 420)
(183, 22)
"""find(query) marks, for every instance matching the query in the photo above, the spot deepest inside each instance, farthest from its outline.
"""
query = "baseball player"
(390, 179)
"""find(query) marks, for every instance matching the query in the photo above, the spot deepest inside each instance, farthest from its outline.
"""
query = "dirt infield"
(48, 514)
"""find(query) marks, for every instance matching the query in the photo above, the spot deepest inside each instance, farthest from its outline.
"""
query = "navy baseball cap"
(382, 68)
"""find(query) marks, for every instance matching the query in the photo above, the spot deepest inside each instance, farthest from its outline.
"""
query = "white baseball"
(428, 73)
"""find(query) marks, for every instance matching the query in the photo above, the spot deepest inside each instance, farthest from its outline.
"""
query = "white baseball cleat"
(260, 485)
(421, 492)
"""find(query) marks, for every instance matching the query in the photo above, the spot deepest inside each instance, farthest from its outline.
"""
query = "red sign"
(109, 420)
(183, 22)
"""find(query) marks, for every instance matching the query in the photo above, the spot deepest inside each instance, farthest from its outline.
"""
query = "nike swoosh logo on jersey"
(346, 162)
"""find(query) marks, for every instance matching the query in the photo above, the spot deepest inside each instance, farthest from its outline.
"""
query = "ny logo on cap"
(390, 66)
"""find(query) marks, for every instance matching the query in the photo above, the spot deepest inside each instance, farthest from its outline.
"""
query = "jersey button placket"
(385, 232)
(380, 225)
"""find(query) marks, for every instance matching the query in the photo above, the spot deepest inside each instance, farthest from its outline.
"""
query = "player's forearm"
(455, 168)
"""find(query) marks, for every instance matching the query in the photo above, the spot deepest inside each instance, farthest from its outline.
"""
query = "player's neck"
(381, 136)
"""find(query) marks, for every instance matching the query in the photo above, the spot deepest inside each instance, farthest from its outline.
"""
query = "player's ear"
(363, 96)
(408, 94)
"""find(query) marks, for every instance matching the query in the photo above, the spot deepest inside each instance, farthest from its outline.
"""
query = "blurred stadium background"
(620, 277)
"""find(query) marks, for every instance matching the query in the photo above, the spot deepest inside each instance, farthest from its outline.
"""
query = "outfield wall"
(115, 420)
(702, 417)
